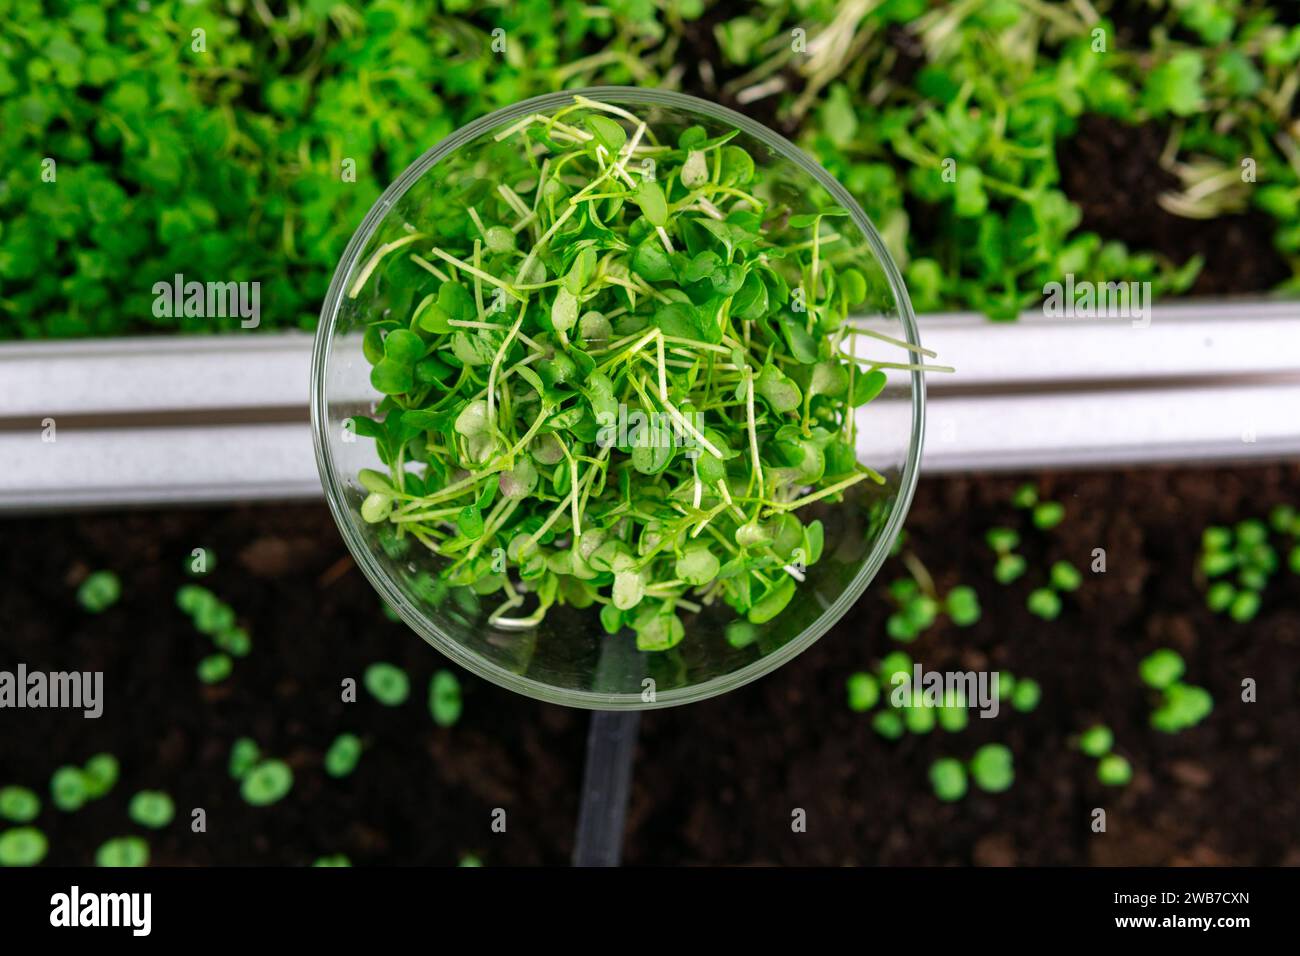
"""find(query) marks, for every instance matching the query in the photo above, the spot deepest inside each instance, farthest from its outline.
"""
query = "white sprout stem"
(379, 254)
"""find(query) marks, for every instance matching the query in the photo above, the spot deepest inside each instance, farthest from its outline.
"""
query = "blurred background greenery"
(1134, 139)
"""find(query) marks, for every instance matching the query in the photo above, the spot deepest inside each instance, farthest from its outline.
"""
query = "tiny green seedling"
(99, 775)
(948, 778)
(267, 783)
(470, 860)
(1246, 550)
(68, 789)
(1182, 705)
(152, 808)
(992, 768)
(127, 851)
(1048, 514)
(387, 683)
(99, 591)
(919, 604)
(1114, 771)
(343, 755)
(19, 805)
(337, 860)
(1096, 741)
(863, 692)
(1025, 695)
(215, 619)
(1044, 603)
(22, 846)
(215, 668)
(244, 755)
(445, 698)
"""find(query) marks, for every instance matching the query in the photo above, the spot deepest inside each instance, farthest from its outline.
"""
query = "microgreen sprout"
(266, 783)
(99, 591)
(387, 683)
(444, 698)
(1026, 695)
(19, 805)
(1182, 705)
(22, 846)
(244, 755)
(337, 860)
(1246, 550)
(1044, 603)
(99, 775)
(1048, 514)
(152, 808)
(1009, 565)
(919, 604)
(585, 290)
(888, 724)
(342, 757)
(215, 668)
(1114, 770)
(863, 692)
(470, 860)
(216, 619)
(1026, 496)
(992, 768)
(948, 778)
(127, 851)
(1096, 741)
(68, 789)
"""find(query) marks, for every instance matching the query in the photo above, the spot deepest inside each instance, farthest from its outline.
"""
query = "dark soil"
(715, 782)
(1112, 171)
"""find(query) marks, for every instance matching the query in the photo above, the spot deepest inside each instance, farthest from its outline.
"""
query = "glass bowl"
(568, 658)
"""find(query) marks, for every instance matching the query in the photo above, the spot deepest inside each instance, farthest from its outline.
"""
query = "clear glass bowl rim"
(396, 598)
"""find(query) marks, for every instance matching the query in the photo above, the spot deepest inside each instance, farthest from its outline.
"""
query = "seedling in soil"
(668, 296)
(948, 778)
(99, 591)
(342, 757)
(1048, 514)
(1096, 741)
(1026, 496)
(99, 775)
(19, 805)
(68, 789)
(388, 684)
(337, 860)
(128, 851)
(1044, 603)
(1114, 771)
(266, 783)
(888, 724)
(863, 692)
(1245, 549)
(215, 668)
(1026, 695)
(992, 768)
(469, 859)
(22, 846)
(1009, 565)
(445, 698)
(1182, 705)
(216, 619)
(151, 808)
(919, 603)
(244, 755)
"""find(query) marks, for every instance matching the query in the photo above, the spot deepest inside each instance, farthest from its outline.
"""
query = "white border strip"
(158, 420)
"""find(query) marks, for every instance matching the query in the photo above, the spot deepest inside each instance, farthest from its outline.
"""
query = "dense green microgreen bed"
(255, 157)
(629, 376)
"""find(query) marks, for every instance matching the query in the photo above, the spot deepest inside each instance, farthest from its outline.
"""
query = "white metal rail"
(224, 418)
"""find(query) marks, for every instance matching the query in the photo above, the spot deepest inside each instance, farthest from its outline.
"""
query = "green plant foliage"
(22, 846)
(992, 768)
(152, 808)
(19, 805)
(124, 851)
(99, 591)
(388, 683)
(445, 698)
(343, 755)
(948, 778)
(266, 783)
